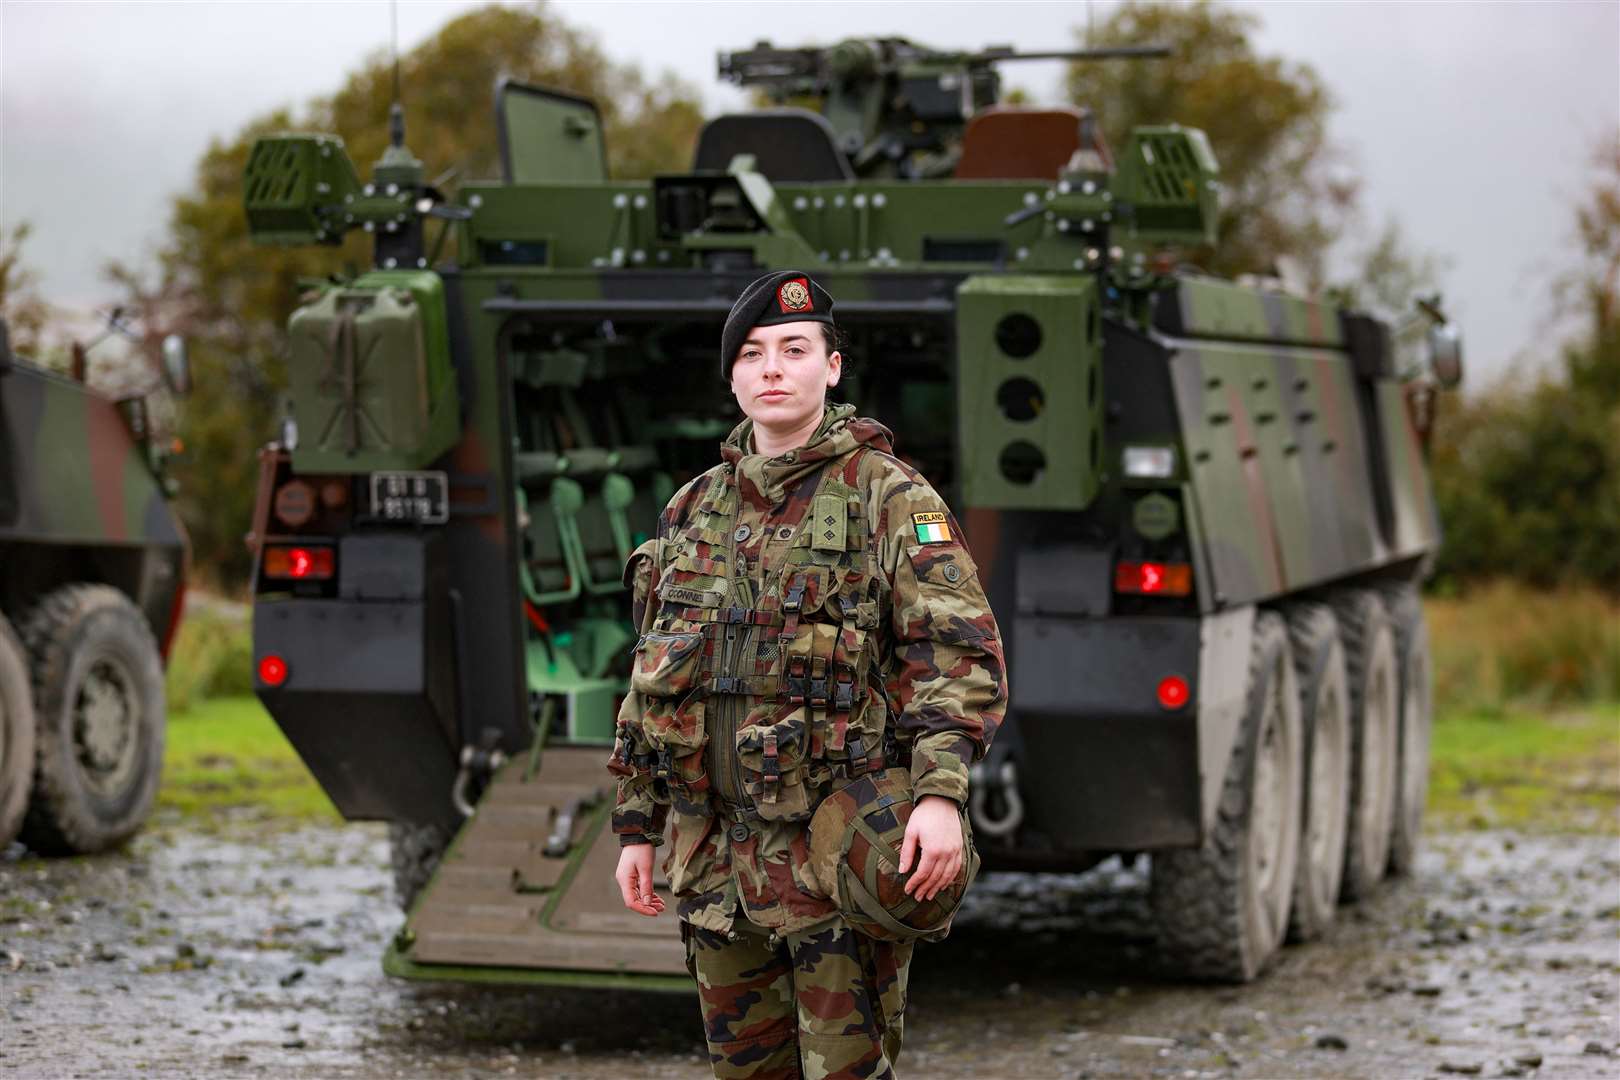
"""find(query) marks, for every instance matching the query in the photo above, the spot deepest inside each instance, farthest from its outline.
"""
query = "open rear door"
(548, 136)
(526, 895)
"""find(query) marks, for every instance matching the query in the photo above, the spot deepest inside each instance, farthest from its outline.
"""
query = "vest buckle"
(844, 689)
(818, 683)
(797, 672)
(772, 767)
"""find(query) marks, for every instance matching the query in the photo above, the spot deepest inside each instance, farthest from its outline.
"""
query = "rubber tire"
(1214, 918)
(16, 733)
(1369, 655)
(1324, 707)
(414, 852)
(66, 633)
(1416, 723)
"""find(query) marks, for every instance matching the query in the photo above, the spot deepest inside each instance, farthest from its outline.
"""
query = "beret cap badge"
(794, 295)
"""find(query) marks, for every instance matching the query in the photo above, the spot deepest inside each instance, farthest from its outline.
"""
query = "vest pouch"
(851, 729)
(665, 671)
(771, 752)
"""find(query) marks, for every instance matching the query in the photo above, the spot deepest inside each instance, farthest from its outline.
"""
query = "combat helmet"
(855, 838)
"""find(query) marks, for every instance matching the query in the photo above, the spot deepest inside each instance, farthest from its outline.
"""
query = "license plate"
(421, 497)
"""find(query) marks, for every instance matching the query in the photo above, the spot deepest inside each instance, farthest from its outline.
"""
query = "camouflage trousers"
(828, 1002)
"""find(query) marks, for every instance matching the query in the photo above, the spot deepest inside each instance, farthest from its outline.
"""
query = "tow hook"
(1004, 785)
(476, 761)
(562, 833)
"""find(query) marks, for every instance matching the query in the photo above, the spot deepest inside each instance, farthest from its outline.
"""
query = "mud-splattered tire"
(1324, 703)
(414, 851)
(1370, 662)
(16, 733)
(98, 698)
(1222, 909)
(1416, 721)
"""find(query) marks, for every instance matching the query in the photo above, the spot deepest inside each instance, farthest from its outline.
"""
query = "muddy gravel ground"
(248, 951)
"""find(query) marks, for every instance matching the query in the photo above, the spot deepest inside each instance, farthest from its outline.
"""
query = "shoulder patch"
(931, 528)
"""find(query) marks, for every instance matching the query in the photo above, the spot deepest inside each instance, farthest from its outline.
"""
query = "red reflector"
(298, 563)
(1153, 578)
(1173, 691)
(272, 670)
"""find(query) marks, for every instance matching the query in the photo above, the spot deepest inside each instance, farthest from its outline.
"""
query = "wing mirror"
(1445, 355)
(176, 365)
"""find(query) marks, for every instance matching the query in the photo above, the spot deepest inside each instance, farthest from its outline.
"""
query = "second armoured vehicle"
(1201, 509)
(92, 584)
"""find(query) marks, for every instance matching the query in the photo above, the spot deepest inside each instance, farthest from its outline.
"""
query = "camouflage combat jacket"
(804, 619)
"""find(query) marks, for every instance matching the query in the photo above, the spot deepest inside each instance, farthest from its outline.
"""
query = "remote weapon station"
(1200, 508)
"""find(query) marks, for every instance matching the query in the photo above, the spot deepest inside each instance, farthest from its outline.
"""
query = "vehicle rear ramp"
(525, 893)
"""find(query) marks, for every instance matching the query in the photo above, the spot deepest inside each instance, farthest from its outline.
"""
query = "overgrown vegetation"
(212, 657)
(227, 754)
(1508, 645)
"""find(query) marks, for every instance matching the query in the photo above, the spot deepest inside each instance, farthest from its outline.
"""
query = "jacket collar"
(765, 481)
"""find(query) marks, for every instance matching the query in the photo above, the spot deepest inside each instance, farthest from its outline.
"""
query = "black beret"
(781, 297)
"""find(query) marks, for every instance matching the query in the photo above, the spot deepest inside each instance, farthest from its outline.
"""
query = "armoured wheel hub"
(1270, 797)
(1326, 787)
(104, 720)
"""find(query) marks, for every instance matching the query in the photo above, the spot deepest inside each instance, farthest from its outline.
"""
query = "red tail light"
(1173, 692)
(272, 670)
(1153, 578)
(298, 563)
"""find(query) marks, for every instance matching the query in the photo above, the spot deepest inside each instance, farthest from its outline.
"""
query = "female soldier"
(809, 617)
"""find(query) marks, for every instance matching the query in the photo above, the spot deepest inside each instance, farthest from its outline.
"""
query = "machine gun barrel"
(766, 64)
(1112, 52)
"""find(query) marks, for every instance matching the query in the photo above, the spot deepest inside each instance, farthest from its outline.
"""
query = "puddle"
(256, 951)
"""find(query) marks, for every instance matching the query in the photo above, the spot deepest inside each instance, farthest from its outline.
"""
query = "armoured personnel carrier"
(92, 583)
(1201, 509)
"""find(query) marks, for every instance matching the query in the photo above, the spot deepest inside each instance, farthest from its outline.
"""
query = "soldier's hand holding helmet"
(934, 841)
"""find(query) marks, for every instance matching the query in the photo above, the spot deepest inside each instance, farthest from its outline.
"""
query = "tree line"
(1527, 474)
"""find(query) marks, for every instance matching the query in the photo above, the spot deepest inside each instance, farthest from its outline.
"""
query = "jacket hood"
(765, 481)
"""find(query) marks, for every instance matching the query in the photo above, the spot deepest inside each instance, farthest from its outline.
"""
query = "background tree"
(1283, 192)
(1386, 274)
(21, 306)
(1527, 475)
(232, 298)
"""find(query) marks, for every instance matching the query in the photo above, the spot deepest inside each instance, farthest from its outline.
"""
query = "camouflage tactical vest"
(758, 682)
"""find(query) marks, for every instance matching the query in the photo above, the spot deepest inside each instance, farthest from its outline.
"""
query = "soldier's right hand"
(634, 876)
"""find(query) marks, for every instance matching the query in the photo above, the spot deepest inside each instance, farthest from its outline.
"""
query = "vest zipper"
(727, 771)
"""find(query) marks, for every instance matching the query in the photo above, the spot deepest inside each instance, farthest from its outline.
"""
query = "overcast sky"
(1472, 124)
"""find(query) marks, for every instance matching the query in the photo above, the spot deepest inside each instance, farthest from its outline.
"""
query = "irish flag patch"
(931, 528)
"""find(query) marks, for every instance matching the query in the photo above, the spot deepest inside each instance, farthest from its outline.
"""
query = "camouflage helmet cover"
(855, 839)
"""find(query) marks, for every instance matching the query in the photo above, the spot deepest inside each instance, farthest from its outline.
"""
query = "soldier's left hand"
(934, 831)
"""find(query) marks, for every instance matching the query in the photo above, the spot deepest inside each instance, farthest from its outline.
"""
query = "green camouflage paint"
(81, 482)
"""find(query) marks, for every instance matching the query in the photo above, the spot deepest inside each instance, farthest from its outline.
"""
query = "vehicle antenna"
(396, 112)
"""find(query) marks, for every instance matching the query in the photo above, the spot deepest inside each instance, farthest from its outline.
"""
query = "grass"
(227, 754)
(1524, 769)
